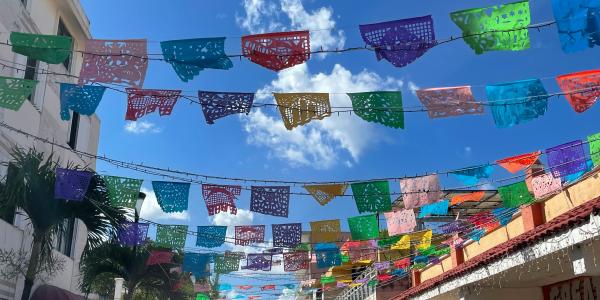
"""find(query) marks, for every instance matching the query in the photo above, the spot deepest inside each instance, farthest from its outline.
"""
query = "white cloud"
(412, 87)
(243, 217)
(320, 144)
(140, 127)
(266, 16)
(152, 211)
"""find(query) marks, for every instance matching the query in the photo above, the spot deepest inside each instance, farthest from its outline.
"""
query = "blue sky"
(338, 148)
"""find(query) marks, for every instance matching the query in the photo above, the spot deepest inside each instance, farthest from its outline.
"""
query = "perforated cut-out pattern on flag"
(220, 198)
(472, 176)
(246, 235)
(259, 262)
(454, 227)
(71, 184)
(402, 263)
(122, 191)
(436, 227)
(578, 22)
(325, 231)
(327, 255)
(189, 57)
(300, 108)
(53, 49)
(517, 163)
(517, 102)
(449, 102)
(422, 239)
(484, 219)
(403, 243)
(115, 61)
(576, 176)
(159, 257)
(495, 28)
(476, 234)
(439, 208)
(81, 99)
(225, 264)
(324, 193)
(287, 235)
(567, 159)
(364, 227)
(470, 197)
(14, 92)
(295, 261)
(141, 102)
(277, 51)
(270, 200)
(399, 222)
(504, 215)
(361, 251)
(379, 107)
(211, 236)
(171, 196)
(171, 236)
(373, 196)
(402, 41)
(582, 89)
(132, 233)
(594, 145)
(381, 266)
(197, 264)
(544, 185)
(420, 191)
(515, 195)
(216, 105)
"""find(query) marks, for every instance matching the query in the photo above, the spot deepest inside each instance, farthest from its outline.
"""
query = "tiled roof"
(558, 224)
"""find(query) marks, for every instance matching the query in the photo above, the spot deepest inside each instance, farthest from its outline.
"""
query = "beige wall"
(554, 269)
(42, 117)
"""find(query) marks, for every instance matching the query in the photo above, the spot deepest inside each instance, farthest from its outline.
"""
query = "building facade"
(40, 117)
(548, 251)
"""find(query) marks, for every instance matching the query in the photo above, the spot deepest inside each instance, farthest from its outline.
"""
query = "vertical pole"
(379, 235)
(118, 288)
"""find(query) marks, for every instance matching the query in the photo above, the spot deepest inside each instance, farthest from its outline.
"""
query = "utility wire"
(159, 171)
(340, 109)
(405, 46)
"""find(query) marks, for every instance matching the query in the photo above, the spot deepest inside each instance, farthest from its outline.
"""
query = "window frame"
(64, 239)
(62, 30)
(74, 130)
(31, 74)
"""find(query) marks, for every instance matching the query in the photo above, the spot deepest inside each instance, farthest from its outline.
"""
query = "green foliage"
(113, 260)
(30, 187)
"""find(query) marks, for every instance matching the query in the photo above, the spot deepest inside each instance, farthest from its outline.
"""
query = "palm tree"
(30, 187)
(129, 263)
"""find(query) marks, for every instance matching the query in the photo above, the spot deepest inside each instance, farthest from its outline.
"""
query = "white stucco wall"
(41, 118)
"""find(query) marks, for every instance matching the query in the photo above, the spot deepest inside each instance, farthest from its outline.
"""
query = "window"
(64, 237)
(62, 30)
(31, 74)
(74, 129)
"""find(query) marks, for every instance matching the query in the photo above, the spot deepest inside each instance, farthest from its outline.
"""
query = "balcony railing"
(363, 291)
